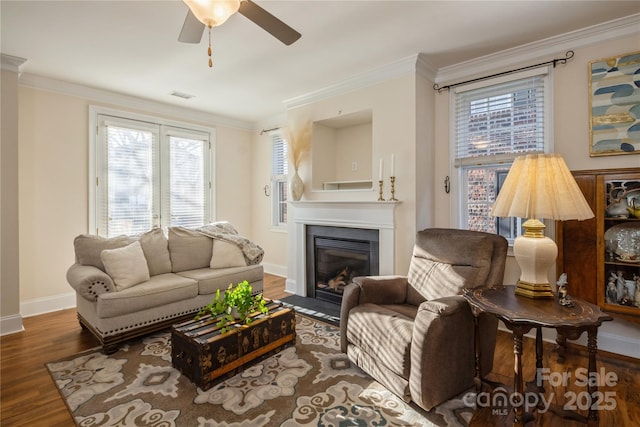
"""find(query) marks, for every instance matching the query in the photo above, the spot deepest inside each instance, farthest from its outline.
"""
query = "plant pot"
(234, 312)
(296, 187)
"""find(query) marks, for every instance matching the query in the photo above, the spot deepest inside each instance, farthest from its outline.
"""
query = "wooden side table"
(520, 315)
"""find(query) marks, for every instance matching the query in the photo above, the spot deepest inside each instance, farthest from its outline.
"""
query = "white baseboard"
(33, 307)
(11, 324)
(276, 269)
(37, 306)
(626, 346)
(290, 286)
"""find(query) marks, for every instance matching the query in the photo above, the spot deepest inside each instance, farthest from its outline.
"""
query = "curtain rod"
(267, 130)
(567, 56)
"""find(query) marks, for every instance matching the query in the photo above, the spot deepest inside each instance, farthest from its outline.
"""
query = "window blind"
(187, 181)
(128, 196)
(502, 119)
(279, 164)
(279, 171)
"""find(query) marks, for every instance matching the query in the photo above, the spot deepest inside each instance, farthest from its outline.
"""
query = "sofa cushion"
(88, 248)
(156, 251)
(226, 254)
(189, 249)
(392, 349)
(210, 280)
(126, 266)
(159, 290)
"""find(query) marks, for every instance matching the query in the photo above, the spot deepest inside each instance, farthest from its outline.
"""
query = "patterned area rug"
(309, 384)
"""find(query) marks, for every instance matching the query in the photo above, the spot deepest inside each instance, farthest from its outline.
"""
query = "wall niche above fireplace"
(342, 152)
(335, 255)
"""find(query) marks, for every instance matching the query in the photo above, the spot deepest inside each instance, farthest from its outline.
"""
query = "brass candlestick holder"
(393, 189)
(380, 198)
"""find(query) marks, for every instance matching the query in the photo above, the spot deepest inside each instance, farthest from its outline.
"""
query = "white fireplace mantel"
(370, 215)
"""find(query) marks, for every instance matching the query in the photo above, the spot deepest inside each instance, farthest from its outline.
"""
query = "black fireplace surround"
(335, 255)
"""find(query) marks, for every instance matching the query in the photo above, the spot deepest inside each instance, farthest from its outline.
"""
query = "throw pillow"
(156, 250)
(189, 249)
(226, 254)
(88, 248)
(127, 266)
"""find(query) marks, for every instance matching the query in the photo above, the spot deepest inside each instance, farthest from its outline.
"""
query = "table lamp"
(538, 186)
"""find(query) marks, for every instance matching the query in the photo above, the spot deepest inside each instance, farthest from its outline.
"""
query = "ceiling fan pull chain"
(209, 50)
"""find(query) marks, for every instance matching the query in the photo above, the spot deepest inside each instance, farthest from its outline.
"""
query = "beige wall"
(337, 149)
(9, 213)
(53, 189)
(273, 241)
(353, 144)
(571, 107)
(233, 178)
(53, 177)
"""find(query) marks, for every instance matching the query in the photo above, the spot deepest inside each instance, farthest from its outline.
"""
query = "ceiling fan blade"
(192, 29)
(268, 22)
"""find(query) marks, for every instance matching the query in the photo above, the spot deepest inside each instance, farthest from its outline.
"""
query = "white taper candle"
(393, 161)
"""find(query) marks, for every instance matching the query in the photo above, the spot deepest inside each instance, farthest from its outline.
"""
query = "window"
(279, 182)
(148, 174)
(494, 122)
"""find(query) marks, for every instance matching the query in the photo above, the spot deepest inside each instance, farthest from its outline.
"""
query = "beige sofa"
(128, 286)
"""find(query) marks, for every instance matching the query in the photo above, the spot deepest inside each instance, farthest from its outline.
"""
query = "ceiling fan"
(211, 13)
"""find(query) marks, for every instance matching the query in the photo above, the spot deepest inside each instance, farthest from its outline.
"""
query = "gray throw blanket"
(225, 231)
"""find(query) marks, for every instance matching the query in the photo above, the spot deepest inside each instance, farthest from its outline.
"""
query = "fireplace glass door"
(337, 263)
(335, 255)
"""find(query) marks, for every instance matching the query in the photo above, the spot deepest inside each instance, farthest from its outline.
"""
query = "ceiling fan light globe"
(213, 12)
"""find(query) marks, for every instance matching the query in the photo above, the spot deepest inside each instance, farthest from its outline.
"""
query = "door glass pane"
(130, 181)
(187, 200)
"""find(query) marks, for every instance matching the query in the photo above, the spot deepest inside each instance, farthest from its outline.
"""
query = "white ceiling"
(131, 47)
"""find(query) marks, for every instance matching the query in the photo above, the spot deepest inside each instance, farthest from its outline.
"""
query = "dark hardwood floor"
(28, 396)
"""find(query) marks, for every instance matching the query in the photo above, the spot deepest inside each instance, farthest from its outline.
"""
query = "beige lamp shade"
(213, 12)
(539, 186)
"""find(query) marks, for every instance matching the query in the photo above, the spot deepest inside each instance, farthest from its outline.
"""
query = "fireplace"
(370, 215)
(335, 255)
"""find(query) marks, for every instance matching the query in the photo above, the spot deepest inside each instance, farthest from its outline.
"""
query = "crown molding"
(421, 65)
(540, 49)
(104, 96)
(11, 63)
(369, 78)
(425, 68)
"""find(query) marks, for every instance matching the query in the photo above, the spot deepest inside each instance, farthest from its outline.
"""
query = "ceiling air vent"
(181, 95)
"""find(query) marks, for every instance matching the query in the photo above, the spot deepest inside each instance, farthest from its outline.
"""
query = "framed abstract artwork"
(614, 95)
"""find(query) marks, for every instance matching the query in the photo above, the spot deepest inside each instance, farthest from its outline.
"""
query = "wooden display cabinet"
(583, 253)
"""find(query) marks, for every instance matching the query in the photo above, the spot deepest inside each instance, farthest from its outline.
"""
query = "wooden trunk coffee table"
(206, 356)
(520, 315)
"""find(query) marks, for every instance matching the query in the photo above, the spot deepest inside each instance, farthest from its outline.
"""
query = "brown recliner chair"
(415, 334)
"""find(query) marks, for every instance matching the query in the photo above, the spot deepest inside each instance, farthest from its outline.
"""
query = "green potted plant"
(237, 303)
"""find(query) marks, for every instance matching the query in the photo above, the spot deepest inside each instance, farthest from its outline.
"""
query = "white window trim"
(96, 111)
(456, 199)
